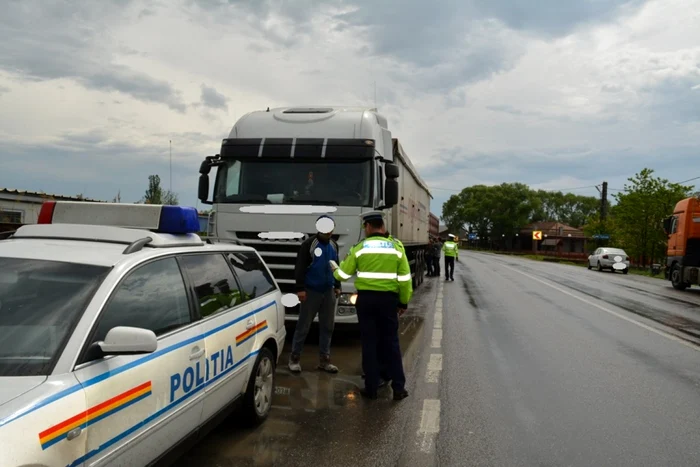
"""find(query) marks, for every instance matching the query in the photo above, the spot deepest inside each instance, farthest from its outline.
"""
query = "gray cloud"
(46, 41)
(213, 99)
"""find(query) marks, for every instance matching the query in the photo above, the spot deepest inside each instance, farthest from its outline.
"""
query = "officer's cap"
(372, 215)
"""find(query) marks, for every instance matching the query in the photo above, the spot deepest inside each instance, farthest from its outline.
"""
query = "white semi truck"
(280, 169)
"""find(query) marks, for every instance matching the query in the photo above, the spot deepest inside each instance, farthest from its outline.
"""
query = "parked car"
(614, 259)
(120, 345)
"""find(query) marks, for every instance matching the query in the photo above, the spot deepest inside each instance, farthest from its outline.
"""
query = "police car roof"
(100, 245)
(107, 233)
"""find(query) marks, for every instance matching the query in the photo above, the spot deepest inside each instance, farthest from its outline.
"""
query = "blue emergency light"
(178, 220)
(156, 218)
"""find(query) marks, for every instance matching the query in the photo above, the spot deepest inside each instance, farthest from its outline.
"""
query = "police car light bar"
(153, 217)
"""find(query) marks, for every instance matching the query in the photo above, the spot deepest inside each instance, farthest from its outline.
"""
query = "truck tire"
(677, 277)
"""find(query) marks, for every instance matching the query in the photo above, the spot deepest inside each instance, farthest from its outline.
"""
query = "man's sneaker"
(326, 365)
(294, 365)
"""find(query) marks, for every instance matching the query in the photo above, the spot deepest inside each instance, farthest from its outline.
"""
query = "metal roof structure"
(47, 196)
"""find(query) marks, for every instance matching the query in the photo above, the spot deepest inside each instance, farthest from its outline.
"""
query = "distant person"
(437, 252)
(383, 291)
(430, 257)
(318, 292)
(451, 252)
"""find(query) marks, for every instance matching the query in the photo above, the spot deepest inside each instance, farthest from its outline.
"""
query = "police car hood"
(12, 387)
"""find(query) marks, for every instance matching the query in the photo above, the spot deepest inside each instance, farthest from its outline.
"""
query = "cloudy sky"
(558, 94)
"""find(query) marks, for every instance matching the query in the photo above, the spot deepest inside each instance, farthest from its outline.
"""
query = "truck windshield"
(40, 303)
(336, 182)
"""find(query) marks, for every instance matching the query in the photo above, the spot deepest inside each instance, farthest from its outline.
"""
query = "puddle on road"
(309, 409)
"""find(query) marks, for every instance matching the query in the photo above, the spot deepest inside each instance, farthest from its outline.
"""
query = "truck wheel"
(677, 278)
(257, 400)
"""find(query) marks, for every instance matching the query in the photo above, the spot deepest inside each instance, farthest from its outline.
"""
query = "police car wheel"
(258, 397)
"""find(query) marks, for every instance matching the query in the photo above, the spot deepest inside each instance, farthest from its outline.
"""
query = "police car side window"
(251, 272)
(153, 296)
(213, 282)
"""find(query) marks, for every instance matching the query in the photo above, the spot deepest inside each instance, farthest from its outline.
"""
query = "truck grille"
(280, 256)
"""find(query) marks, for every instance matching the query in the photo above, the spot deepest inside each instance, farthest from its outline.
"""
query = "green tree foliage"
(637, 218)
(155, 194)
(567, 208)
(504, 209)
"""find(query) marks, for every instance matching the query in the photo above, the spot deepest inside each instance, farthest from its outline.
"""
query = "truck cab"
(280, 169)
(683, 251)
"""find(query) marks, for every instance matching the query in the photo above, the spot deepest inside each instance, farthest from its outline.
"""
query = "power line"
(689, 180)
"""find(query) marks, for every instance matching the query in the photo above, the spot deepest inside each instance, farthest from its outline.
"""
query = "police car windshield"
(40, 303)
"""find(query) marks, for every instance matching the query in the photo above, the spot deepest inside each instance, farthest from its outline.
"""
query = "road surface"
(514, 363)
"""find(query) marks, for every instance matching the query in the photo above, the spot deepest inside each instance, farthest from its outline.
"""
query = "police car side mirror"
(124, 340)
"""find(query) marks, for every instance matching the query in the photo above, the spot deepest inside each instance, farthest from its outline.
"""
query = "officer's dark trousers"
(449, 267)
(379, 331)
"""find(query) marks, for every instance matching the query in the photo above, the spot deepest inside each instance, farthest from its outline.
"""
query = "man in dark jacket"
(437, 250)
(318, 292)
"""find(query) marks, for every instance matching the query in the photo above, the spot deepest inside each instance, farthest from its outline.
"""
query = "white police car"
(118, 344)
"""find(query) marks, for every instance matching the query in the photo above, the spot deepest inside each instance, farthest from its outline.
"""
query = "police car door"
(225, 318)
(141, 405)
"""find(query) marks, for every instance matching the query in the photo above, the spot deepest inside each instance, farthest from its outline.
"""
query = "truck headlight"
(347, 299)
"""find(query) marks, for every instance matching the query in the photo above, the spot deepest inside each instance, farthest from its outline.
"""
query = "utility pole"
(171, 165)
(604, 202)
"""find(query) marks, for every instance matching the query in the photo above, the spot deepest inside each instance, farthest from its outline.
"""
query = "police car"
(122, 333)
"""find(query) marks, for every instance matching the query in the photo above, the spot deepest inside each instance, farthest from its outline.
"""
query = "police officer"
(383, 291)
(451, 252)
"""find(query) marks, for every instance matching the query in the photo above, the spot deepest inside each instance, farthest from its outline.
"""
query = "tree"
(156, 195)
(569, 208)
(640, 211)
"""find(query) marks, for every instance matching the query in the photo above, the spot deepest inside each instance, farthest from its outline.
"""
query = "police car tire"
(251, 417)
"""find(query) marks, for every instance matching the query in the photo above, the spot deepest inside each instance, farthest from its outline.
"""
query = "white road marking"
(429, 424)
(614, 313)
(437, 338)
(438, 320)
(434, 368)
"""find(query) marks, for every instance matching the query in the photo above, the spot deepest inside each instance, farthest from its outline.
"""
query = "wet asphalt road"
(516, 362)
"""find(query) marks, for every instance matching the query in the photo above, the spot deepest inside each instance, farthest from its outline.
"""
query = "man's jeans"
(322, 303)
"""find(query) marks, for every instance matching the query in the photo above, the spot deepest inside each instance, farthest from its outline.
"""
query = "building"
(556, 238)
(18, 208)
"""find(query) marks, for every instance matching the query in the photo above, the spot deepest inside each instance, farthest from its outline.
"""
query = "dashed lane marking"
(437, 338)
(614, 313)
(437, 323)
(434, 368)
(429, 425)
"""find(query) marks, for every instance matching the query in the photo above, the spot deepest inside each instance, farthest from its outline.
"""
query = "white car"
(614, 259)
(119, 344)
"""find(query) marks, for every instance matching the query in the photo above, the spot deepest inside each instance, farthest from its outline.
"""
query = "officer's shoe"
(294, 364)
(326, 365)
(400, 395)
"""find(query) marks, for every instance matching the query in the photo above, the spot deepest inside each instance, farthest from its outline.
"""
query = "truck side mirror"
(391, 171)
(203, 190)
(667, 225)
(391, 192)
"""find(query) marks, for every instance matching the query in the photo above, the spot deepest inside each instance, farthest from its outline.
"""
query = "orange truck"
(683, 252)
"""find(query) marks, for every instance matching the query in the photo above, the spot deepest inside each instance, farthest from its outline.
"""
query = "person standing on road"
(437, 251)
(383, 291)
(430, 257)
(451, 252)
(318, 292)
